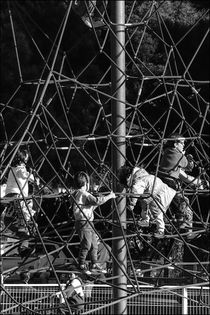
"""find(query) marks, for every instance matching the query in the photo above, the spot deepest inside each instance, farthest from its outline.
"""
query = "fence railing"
(40, 299)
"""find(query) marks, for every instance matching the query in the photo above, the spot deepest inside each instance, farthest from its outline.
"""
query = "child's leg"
(10, 217)
(160, 223)
(85, 236)
(145, 215)
(144, 210)
(94, 248)
(26, 214)
(85, 245)
(27, 209)
(187, 214)
(23, 216)
(182, 211)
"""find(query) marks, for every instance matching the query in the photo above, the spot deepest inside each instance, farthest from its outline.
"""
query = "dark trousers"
(180, 206)
(88, 242)
(182, 211)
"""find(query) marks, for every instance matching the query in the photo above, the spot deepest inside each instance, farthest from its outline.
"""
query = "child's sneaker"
(98, 23)
(87, 22)
(143, 222)
(94, 23)
(192, 235)
(84, 269)
(96, 267)
(159, 234)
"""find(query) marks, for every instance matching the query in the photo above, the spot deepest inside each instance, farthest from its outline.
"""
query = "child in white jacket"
(17, 188)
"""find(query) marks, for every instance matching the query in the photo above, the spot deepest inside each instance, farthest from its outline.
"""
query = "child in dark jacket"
(172, 171)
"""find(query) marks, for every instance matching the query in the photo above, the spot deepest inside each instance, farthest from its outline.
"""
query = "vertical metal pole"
(184, 301)
(118, 150)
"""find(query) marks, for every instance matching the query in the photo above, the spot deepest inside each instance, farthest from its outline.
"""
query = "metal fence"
(40, 299)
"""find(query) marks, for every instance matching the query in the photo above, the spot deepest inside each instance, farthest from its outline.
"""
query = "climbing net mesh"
(66, 126)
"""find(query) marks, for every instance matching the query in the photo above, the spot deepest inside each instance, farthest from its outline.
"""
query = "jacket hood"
(137, 172)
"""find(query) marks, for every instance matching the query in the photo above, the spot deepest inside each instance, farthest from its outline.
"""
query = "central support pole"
(118, 152)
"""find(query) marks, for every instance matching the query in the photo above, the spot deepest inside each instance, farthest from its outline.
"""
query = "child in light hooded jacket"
(160, 195)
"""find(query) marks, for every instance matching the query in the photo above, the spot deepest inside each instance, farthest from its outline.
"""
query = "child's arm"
(138, 188)
(69, 290)
(97, 201)
(23, 173)
(190, 179)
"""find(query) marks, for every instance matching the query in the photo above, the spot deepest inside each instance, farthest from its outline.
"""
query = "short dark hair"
(19, 157)
(174, 138)
(123, 173)
(80, 179)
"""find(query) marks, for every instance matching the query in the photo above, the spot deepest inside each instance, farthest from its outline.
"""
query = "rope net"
(63, 117)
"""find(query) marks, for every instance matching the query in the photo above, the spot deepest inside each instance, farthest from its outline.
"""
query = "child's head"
(123, 173)
(175, 139)
(126, 174)
(71, 276)
(81, 179)
(20, 157)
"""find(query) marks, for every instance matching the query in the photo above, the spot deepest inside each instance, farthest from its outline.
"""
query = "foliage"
(35, 34)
